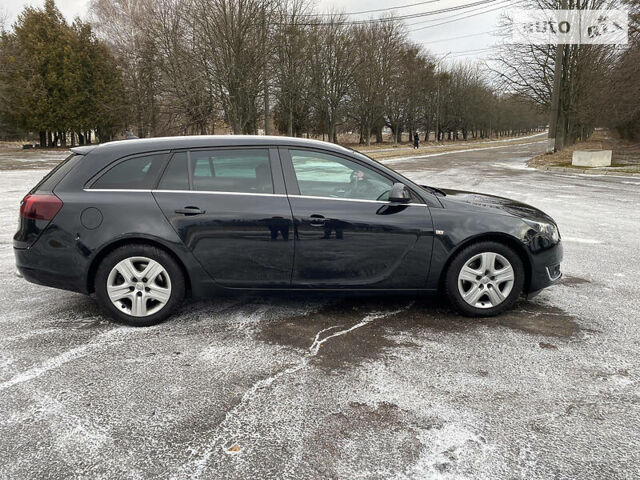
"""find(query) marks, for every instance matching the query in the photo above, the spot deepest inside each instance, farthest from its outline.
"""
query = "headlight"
(546, 230)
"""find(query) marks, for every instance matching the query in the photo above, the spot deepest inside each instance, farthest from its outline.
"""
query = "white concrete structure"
(591, 158)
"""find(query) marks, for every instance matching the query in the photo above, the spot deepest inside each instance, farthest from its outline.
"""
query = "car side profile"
(144, 223)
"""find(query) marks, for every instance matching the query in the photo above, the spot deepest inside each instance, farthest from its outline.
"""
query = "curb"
(585, 171)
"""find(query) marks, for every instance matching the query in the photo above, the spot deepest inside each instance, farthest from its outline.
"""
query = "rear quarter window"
(51, 179)
(134, 173)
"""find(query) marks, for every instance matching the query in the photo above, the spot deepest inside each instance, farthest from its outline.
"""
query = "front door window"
(323, 175)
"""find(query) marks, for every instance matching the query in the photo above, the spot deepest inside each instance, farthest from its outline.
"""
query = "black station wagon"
(144, 223)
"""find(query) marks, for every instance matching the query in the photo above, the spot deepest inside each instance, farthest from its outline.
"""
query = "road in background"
(314, 387)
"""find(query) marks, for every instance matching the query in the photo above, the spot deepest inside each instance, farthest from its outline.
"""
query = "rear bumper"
(545, 269)
(41, 270)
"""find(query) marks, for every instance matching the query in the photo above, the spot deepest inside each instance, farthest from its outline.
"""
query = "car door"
(229, 207)
(348, 235)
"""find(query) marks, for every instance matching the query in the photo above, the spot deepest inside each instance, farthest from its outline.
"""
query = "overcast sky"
(476, 29)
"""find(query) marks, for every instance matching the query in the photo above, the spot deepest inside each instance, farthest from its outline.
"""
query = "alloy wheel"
(139, 286)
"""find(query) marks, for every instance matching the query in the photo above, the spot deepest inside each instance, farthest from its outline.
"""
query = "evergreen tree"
(58, 79)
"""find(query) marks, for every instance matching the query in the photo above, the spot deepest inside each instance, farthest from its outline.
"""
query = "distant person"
(416, 140)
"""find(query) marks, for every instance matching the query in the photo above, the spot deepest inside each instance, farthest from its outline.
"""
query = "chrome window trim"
(207, 192)
(216, 192)
(379, 202)
(280, 195)
(117, 190)
(318, 197)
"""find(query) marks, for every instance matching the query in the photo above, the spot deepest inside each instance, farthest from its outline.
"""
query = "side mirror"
(399, 193)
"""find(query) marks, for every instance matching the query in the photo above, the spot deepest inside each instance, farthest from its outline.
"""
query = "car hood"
(480, 202)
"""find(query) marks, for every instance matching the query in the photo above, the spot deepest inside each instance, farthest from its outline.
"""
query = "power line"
(464, 16)
(459, 37)
(362, 12)
(432, 12)
(461, 18)
(410, 16)
(463, 52)
(455, 15)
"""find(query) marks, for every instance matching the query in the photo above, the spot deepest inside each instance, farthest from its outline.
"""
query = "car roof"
(141, 145)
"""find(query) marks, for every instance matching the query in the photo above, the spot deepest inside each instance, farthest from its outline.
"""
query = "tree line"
(191, 65)
(167, 67)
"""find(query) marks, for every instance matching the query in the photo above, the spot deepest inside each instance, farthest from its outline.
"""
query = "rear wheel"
(139, 285)
(484, 279)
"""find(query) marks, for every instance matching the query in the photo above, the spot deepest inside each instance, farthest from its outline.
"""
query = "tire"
(139, 301)
(475, 292)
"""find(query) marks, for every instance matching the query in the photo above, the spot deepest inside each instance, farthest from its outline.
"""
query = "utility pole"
(437, 71)
(267, 110)
(267, 101)
(556, 122)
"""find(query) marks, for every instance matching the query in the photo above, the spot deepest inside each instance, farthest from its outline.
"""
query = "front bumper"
(545, 269)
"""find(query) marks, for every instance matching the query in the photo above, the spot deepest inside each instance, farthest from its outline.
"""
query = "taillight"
(40, 207)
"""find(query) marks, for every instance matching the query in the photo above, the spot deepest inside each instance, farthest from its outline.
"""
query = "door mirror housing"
(399, 193)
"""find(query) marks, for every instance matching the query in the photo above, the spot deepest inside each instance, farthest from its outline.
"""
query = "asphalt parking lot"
(313, 387)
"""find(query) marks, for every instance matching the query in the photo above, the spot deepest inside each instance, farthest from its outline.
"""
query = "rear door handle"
(317, 220)
(190, 211)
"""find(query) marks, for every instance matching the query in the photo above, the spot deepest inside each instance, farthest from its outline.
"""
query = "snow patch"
(59, 360)
(442, 447)
(589, 241)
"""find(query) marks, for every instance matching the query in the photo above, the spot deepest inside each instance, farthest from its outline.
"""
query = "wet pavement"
(328, 387)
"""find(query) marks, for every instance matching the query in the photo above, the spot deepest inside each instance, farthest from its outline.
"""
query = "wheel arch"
(110, 247)
(503, 238)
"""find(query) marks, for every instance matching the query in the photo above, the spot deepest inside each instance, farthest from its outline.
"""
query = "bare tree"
(418, 82)
(375, 45)
(232, 35)
(333, 63)
(291, 68)
(184, 83)
(124, 25)
(621, 103)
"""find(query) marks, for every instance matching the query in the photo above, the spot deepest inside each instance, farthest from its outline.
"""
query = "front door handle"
(317, 220)
(190, 211)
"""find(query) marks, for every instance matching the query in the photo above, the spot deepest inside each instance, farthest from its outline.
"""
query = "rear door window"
(135, 173)
(232, 170)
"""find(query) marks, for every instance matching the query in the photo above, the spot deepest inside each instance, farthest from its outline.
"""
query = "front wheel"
(484, 279)
(139, 285)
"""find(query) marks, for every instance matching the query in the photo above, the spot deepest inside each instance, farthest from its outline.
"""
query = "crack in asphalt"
(223, 440)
